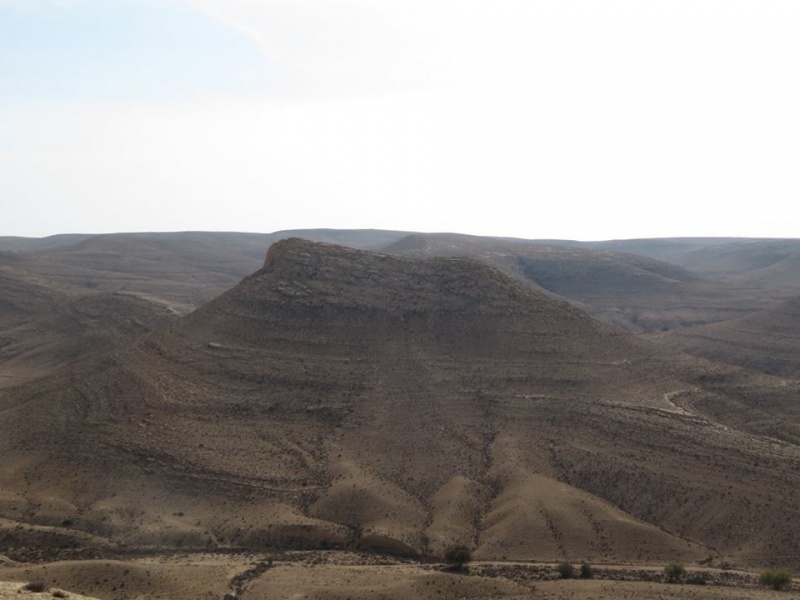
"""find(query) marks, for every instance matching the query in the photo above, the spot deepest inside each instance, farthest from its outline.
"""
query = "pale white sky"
(540, 119)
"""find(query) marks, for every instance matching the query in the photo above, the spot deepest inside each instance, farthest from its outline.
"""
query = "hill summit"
(350, 398)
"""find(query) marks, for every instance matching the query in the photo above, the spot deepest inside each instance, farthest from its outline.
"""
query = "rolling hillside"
(45, 326)
(337, 397)
(627, 290)
(766, 341)
(188, 268)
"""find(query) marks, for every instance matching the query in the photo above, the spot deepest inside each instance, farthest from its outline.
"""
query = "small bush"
(697, 579)
(35, 586)
(777, 580)
(458, 556)
(674, 572)
(587, 572)
(566, 570)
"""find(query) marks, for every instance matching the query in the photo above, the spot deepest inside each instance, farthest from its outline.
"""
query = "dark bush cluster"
(587, 572)
(777, 580)
(566, 570)
(675, 572)
(697, 579)
(458, 556)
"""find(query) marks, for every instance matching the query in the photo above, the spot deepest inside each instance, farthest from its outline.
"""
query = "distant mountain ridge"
(644, 286)
(767, 341)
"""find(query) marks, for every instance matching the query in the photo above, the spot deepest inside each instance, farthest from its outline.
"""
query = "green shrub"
(458, 556)
(587, 572)
(35, 586)
(566, 570)
(777, 580)
(674, 572)
(697, 579)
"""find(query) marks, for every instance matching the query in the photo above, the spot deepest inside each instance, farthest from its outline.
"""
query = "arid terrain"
(191, 415)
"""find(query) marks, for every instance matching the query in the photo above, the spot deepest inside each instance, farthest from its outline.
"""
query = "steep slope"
(766, 341)
(632, 291)
(342, 397)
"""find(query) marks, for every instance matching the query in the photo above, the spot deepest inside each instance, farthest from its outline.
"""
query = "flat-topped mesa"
(320, 273)
(304, 251)
(286, 247)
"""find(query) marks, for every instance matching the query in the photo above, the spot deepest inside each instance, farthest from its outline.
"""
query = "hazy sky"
(563, 119)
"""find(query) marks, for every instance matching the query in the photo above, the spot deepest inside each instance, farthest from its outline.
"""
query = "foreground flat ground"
(329, 576)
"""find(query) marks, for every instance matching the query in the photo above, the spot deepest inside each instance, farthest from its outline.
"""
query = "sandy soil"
(353, 576)
(408, 582)
(340, 399)
(201, 577)
(14, 590)
(620, 590)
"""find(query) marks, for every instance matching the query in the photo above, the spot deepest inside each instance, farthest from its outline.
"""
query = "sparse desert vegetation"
(675, 572)
(777, 580)
(354, 413)
(458, 557)
(566, 570)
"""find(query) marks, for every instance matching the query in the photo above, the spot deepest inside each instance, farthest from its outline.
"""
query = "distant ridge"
(630, 291)
(188, 267)
(766, 341)
(644, 286)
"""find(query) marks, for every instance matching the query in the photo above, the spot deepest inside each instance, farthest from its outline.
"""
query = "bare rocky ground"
(338, 399)
(342, 575)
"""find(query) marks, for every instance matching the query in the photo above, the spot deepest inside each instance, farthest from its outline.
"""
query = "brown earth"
(157, 578)
(640, 285)
(631, 291)
(766, 341)
(771, 266)
(345, 398)
(15, 590)
(709, 256)
(188, 268)
(45, 326)
(341, 575)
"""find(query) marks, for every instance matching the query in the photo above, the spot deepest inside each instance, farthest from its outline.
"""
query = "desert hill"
(712, 256)
(24, 294)
(340, 397)
(631, 291)
(45, 325)
(25, 244)
(187, 268)
(766, 341)
(741, 256)
(771, 266)
(644, 286)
